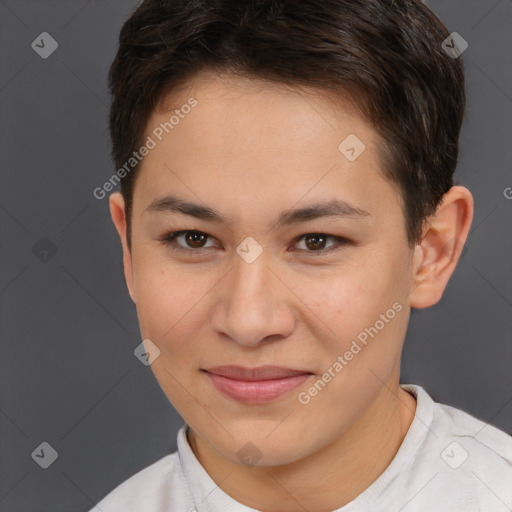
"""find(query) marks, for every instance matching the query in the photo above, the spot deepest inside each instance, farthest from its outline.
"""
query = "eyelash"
(169, 240)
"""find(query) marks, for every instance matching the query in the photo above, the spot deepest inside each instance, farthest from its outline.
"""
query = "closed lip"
(260, 373)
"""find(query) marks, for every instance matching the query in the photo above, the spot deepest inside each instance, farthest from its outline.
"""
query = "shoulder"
(449, 423)
(158, 487)
(482, 439)
(468, 460)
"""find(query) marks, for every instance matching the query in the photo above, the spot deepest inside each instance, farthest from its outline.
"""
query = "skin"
(250, 150)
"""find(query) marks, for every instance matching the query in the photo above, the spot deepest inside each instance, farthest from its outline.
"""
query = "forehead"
(254, 111)
(250, 140)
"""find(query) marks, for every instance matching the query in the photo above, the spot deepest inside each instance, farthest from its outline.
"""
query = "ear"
(436, 256)
(118, 214)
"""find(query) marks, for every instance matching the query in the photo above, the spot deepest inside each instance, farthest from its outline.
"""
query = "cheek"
(352, 302)
(165, 298)
(173, 307)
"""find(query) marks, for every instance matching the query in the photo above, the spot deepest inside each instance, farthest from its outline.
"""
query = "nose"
(253, 304)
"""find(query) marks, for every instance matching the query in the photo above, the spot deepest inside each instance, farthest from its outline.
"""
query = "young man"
(287, 198)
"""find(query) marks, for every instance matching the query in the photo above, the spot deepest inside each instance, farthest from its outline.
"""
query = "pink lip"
(255, 385)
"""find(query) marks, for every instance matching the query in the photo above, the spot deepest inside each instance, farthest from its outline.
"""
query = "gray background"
(68, 327)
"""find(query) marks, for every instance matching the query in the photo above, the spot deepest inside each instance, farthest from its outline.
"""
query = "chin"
(263, 450)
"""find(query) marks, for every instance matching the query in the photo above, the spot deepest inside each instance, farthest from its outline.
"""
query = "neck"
(331, 477)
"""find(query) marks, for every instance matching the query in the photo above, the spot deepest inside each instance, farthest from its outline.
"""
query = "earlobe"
(118, 214)
(437, 254)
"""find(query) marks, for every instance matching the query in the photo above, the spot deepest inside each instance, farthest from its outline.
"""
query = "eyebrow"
(333, 208)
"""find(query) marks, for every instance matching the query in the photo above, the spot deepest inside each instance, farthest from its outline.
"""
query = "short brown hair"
(385, 54)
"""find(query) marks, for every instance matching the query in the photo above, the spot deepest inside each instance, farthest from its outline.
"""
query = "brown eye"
(320, 243)
(315, 241)
(195, 239)
(187, 240)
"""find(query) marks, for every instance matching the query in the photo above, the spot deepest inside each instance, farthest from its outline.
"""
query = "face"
(294, 257)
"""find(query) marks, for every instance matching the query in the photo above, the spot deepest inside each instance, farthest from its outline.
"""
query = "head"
(306, 151)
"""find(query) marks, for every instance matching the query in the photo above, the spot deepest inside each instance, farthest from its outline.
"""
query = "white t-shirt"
(449, 461)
